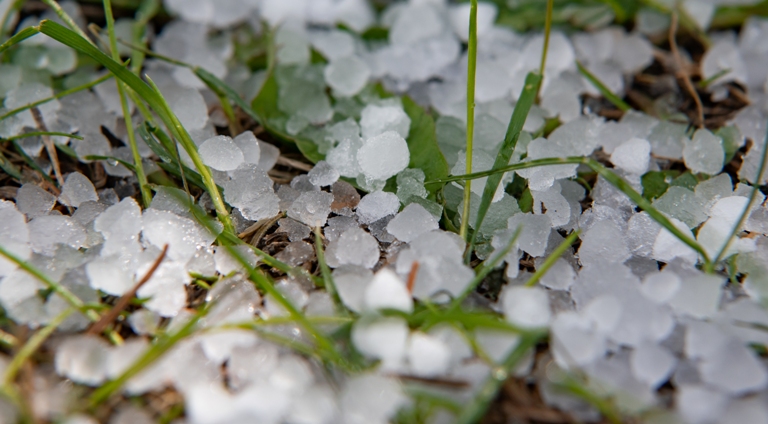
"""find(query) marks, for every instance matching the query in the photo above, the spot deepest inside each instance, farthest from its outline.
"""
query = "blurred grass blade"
(547, 35)
(330, 285)
(144, 14)
(471, 76)
(152, 97)
(40, 133)
(515, 127)
(544, 268)
(18, 38)
(67, 19)
(32, 164)
(9, 168)
(605, 91)
(112, 159)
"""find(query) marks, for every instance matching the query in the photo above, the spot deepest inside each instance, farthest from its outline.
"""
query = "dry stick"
(682, 71)
(412, 276)
(125, 299)
(49, 147)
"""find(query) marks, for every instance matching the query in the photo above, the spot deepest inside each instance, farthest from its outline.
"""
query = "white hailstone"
(108, 275)
(526, 307)
(560, 277)
(724, 56)
(371, 398)
(574, 342)
(347, 75)
(182, 235)
(33, 201)
(165, 289)
(534, 232)
(377, 205)
(632, 156)
(250, 146)
(221, 153)
(413, 221)
(698, 296)
(383, 156)
(188, 105)
(351, 283)
(603, 242)
(660, 287)
(353, 247)
(427, 355)
(312, 208)
(383, 339)
(667, 246)
(332, 44)
(77, 189)
(121, 220)
(323, 174)
(704, 153)
(700, 404)
(45, 232)
(388, 291)
(376, 120)
(652, 364)
(83, 359)
(343, 157)
(497, 344)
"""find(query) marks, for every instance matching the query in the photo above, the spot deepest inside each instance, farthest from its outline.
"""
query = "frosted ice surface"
(534, 234)
(383, 156)
(497, 344)
(383, 339)
(226, 262)
(144, 322)
(667, 246)
(343, 157)
(182, 235)
(332, 44)
(459, 16)
(724, 55)
(268, 156)
(574, 342)
(317, 405)
(747, 411)
(641, 234)
(353, 247)
(603, 242)
(713, 189)
(428, 356)
(413, 221)
(249, 145)
(33, 201)
(345, 198)
(296, 253)
(376, 120)
(370, 398)
(716, 232)
(311, 208)
(652, 364)
(83, 359)
(165, 289)
(388, 291)
(107, 275)
(77, 189)
(45, 232)
(302, 184)
(526, 307)
(251, 191)
(734, 368)
(660, 287)
(682, 204)
(221, 153)
(417, 22)
(552, 204)
(29, 92)
(188, 105)
(340, 131)
(698, 296)
(295, 230)
(323, 174)
(410, 183)
(122, 220)
(347, 75)
(376, 205)
(351, 283)
(704, 153)
(559, 277)
(632, 53)
(337, 225)
(542, 178)
(666, 139)
(123, 356)
(632, 156)
(699, 404)
(294, 48)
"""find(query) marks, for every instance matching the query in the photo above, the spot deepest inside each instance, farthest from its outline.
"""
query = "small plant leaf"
(422, 144)
(656, 183)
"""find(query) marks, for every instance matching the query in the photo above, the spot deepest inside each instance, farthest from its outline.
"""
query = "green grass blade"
(471, 71)
(515, 127)
(112, 158)
(330, 285)
(152, 96)
(40, 133)
(547, 34)
(145, 13)
(32, 164)
(605, 91)
(540, 271)
(67, 19)
(9, 168)
(18, 38)
(32, 345)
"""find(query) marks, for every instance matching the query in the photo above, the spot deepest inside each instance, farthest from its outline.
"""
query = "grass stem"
(471, 75)
(544, 268)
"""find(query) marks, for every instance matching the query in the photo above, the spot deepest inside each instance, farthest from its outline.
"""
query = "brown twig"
(125, 299)
(49, 147)
(292, 163)
(412, 276)
(682, 71)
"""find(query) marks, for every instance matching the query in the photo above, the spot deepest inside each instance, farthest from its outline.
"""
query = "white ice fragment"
(704, 153)
(413, 221)
(83, 359)
(333, 44)
(312, 208)
(497, 344)
(383, 339)
(698, 296)
(268, 156)
(293, 292)
(144, 322)
(221, 153)
(383, 156)
(603, 242)
(700, 404)
(354, 246)
(534, 232)
(347, 75)
(351, 283)
(632, 156)
(734, 368)
(371, 398)
(165, 289)
(45, 232)
(459, 15)
(388, 291)
(323, 174)
(249, 145)
(746, 411)
(725, 58)
(428, 356)
(574, 342)
(182, 235)
(251, 190)
(343, 157)
(660, 287)
(376, 205)
(122, 220)
(188, 105)
(667, 246)
(376, 120)
(77, 189)
(652, 364)
(107, 275)
(226, 262)
(559, 277)
(33, 201)
(526, 307)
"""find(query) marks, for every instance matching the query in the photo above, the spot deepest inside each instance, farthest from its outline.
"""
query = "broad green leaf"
(656, 183)
(422, 143)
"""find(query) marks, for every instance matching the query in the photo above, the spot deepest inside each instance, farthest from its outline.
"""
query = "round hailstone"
(388, 291)
(428, 356)
(249, 145)
(221, 153)
(632, 156)
(412, 222)
(323, 174)
(376, 205)
(77, 189)
(383, 156)
(375, 120)
(527, 307)
(704, 153)
(347, 76)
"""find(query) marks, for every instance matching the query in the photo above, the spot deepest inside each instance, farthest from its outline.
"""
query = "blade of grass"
(330, 285)
(32, 345)
(545, 47)
(152, 96)
(604, 172)
(9, 168)
(475, 410)
(18, 38)
(605, 91)
(112, 158)
(540, 271)
(471, 71)
(31, 163)
(515, 127)
(145, 13)
(707, 82)
(41, 133)
(146, 194)
(747, 209)
(67, 19)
